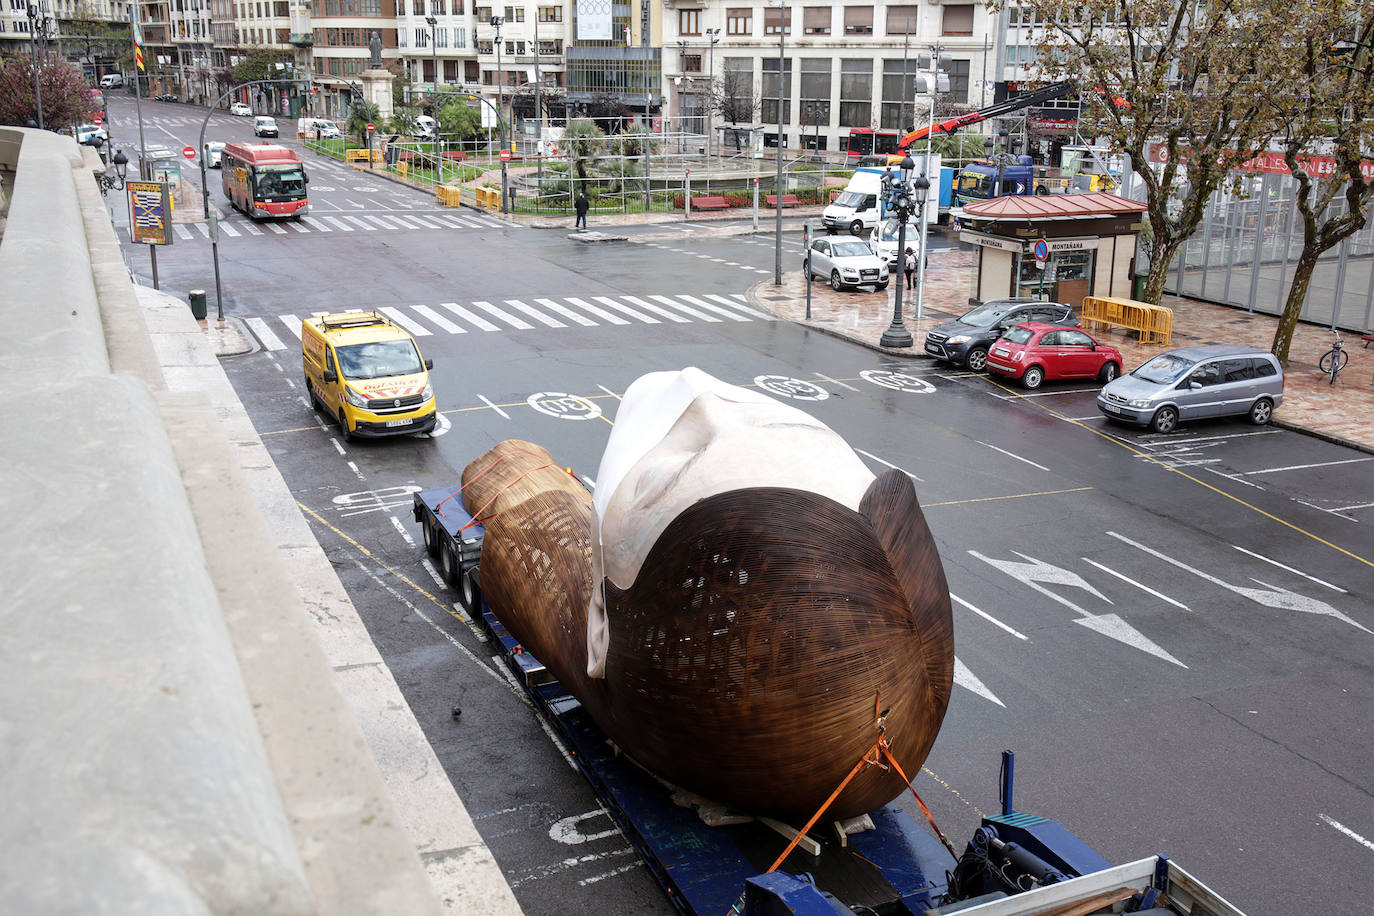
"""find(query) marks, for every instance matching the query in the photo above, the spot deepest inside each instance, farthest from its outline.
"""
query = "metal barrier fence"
(1245, 248)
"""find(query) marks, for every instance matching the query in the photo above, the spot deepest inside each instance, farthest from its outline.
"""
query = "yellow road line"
(1153, 460)
(988, 499)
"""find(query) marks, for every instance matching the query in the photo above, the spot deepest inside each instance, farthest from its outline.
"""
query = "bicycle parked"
(1334, 360)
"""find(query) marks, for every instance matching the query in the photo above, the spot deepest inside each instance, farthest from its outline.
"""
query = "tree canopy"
(64, 91)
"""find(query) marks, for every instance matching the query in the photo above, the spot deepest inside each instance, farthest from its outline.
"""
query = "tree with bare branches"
(1186, 89)
(732, 97)
(1326, 134)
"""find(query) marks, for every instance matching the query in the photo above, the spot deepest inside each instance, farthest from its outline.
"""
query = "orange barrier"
(1154, 323)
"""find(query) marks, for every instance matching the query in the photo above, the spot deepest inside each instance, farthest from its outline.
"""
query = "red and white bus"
(265, 180)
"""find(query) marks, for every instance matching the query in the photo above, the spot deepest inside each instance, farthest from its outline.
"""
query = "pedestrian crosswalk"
(340, 223)
(482, 316)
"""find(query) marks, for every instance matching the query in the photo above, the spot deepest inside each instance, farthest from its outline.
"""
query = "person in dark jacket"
(582, 205)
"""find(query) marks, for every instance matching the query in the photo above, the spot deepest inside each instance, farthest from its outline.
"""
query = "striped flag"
(138, 44)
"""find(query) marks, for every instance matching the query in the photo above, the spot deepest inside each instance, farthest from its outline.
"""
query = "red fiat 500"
(1034, 351)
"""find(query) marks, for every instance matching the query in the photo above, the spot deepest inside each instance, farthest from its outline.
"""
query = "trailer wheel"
(447, 566)
(431, 538)
(470, 590)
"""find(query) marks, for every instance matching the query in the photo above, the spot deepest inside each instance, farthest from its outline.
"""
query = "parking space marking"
(1012, 455)
(1304, 467)
(1296, 572)
(888, 464)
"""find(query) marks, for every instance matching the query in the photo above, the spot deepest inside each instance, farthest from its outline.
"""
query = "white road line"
(609, 391)
(1040, 394)
(433, 573)
(296, 225)
(353, 219)
(609, 874)
(338, 223)
(567, 313)
(506, 672)
(505, 316)
(762, 316)
(1303, 467)
(1174, 442)
(656, 309)
(203, 229)
(228, 229)
(277, 229)
(1347, 831)
(439, 320)
(989, 618)
(480, 323)
(1012, 455)
(535, 313)
(625, 309)
(265, 336)
(833, 381)
(378, 204)
(701, 303)
(251, 229)
(1356, 506)
(293, 324)
(401, 530)
(386, 222)
(405, 321)
(970, 681)
(483, 399)
(889, 464)
(451, 222)
(1296, 572)
(702, 316)
(357, 473)
(1143, 588)
(425, 222)
(1096, 416)
(338, 446)
(740, 296)
(181, 231)
(597, 311)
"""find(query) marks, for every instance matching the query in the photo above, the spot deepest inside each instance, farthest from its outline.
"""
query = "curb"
(752, 295)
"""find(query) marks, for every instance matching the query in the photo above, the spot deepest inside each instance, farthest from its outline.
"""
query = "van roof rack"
(352, 320)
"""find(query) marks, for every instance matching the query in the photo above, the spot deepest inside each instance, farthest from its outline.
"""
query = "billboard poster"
(150, 212)
(593, 20)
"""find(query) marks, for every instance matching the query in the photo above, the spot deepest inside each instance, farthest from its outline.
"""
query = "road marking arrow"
(1269, 596)
(969, 681)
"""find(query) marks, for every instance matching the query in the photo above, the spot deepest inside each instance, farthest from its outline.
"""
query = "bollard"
(197, 304)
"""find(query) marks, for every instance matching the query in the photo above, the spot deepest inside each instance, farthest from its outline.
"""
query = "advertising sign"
(593, 20)
(150, 212)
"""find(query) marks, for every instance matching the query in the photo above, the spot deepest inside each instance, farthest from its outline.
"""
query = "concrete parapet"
(173, 737)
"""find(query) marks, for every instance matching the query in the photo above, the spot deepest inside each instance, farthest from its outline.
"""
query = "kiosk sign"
(150, 212)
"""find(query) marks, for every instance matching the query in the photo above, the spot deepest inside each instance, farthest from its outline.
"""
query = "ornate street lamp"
(434, 62)
(115, 182)
(921, 193)
(897, 197)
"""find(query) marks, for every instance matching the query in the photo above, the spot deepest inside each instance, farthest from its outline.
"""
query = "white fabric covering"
(683, 436)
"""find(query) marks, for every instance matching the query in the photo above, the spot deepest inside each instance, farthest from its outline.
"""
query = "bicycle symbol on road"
(563, 406)
(897, 381)
(795, 388)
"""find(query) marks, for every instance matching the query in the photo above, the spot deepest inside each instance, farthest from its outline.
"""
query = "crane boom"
(1044, 94)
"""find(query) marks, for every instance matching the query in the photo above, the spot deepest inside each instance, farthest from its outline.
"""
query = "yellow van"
(366, 372)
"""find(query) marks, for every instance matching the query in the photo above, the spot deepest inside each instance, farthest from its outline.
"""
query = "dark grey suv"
(965, 342)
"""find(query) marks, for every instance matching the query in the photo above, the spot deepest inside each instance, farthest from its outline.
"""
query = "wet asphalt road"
(1172, 632)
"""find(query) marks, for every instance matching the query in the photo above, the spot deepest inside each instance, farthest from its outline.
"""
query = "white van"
(110, 80)
(425, 128)
(859, 209)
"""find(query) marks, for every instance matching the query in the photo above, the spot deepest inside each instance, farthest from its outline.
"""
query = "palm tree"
(362, 114)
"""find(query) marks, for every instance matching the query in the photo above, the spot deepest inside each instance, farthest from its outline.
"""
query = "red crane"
(1052, 91)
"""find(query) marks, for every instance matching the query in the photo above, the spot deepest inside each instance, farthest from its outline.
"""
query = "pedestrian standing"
(910, 266)
(582, 205)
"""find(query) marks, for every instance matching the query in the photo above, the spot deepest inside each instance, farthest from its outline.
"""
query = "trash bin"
(198, 304)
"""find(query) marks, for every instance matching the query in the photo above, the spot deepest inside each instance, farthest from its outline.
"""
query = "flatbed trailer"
(882, 863)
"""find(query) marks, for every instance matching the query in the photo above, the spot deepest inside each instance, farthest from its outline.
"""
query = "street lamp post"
(777, 181)
(937, 62)
(496, 23)
(37, 27)
(538, 116)
(433, 24)
(922, 192)
(897, 198)
(714, 36)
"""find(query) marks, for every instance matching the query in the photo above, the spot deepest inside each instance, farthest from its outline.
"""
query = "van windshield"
(1163, 369)
(280, 180)
(379, 359)
(851, 199)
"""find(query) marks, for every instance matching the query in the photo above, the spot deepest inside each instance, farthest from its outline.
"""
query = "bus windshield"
(279, 181)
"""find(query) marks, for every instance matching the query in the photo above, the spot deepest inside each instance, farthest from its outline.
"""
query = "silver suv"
(1219, 380)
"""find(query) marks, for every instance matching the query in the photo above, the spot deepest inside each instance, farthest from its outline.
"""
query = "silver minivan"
(1218, 380)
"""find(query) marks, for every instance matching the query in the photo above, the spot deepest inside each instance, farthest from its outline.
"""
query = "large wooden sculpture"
(739, 602)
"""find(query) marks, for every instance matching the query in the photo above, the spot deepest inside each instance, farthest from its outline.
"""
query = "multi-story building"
(92, 33)
(843, 65)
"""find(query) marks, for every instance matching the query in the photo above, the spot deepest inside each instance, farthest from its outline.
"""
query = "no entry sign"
(98, 120)
(371, 128)
(505, 155)
(189, 152)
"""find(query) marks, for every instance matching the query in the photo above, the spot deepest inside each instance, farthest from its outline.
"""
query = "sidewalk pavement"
(1343, 412)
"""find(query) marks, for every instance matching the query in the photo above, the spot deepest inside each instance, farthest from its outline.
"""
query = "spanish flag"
(138, 44)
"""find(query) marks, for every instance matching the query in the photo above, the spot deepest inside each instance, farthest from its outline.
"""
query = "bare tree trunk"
(1160, 261)
(1292, 306)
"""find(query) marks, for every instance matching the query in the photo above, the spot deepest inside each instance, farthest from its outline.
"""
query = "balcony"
(303, 39)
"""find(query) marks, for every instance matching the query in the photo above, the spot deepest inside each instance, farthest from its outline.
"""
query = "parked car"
(90, 134)
(1216, 380)
(165, 97)
(965, 341)
(110, 80)
(845, 262)
(318, 129)
(883, 240)
(214, 150)
(265, 126)
(241, 109)
(1036, 352)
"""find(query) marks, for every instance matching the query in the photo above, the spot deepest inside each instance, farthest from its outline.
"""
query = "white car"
(883, 240)
(265, 126)
(239, 108)
(91, 134)
(845, 262)
(214, 149)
